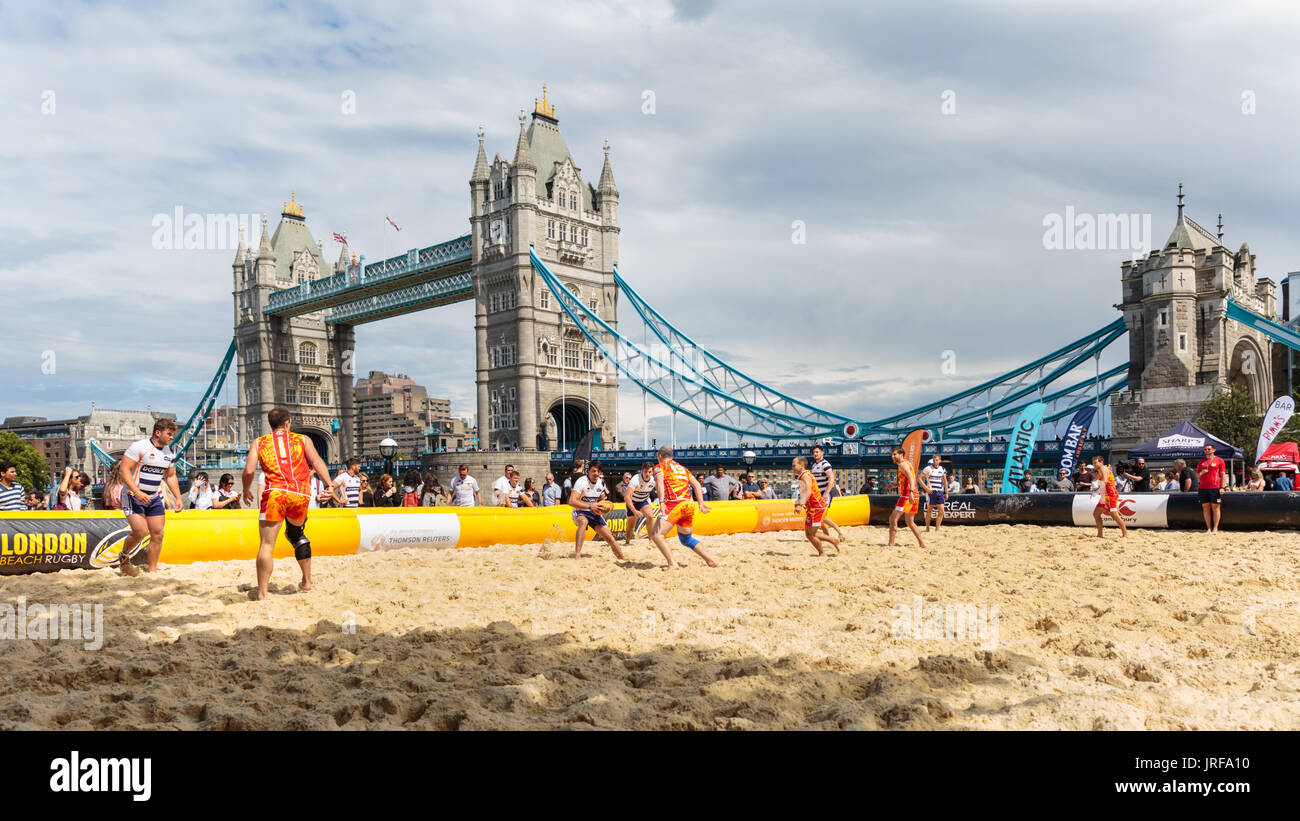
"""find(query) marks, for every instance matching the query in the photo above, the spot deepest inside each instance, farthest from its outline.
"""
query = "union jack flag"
(340, 238)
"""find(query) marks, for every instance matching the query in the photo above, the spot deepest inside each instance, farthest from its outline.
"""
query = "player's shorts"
(936, 498)
(813, 516)
(682, 514)
(1109, 500)
(1210, 496)
(906, 504)
(278, 505)
(131, 506)
(644, 507)
(588, 518)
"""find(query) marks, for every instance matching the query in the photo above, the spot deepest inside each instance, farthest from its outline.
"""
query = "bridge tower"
(1181, 343)
(299, 363)
(537, 377)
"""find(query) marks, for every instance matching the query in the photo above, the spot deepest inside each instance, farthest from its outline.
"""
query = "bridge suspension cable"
(717, 394)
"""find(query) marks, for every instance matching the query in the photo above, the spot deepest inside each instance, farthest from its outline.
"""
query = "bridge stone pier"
(535, 369)
(540, 383)
(1181, 343)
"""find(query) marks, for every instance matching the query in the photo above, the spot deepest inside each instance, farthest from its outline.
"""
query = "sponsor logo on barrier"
(109, 550)
(1136, 511)
(960, 510)
(436, 530)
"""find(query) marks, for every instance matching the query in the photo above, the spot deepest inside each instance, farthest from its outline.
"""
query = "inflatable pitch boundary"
(42, 542)
(1271, 510)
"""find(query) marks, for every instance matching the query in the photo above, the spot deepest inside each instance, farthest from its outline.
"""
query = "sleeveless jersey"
(821, 475)
(815, 498)
(284, 462)
(904, 484)
(677, 483)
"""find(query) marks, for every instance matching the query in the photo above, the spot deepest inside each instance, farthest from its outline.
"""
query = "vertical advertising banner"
(1021, 446)
(1274, 421)
(912, 447)
(1072, 442)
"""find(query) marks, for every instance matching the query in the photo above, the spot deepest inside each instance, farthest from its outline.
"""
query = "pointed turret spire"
(342, 264)
(480, 162)
(264, 248)
(606, 185)
(1220, 229)
(523, 156)
(242, 250)
(1180, 202)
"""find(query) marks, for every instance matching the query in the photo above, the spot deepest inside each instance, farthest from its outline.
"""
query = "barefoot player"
(810, 500)
(678, 491)
(146, 465)
(1107, 496)
(825, 476)
(934, 479)
(636, 497)
(287, 461)
(587, 492)
(907, 497)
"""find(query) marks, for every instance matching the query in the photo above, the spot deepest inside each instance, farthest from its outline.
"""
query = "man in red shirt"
(1210, 471)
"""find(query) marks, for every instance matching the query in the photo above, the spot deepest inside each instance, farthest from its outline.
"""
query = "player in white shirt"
(636, 498)
(935, 478)
(146, 465)
(824, 475)
(349, 481)
(587, 491)
(464, 489)
(514, 495)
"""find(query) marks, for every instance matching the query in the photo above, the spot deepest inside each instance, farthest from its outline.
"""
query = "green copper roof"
(548, 148)
(1188, 234)
(292, 236)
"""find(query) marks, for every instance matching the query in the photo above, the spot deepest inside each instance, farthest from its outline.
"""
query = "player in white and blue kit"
(824, 476)
(145, 466)
(350, 483)
(587, 492)
(935, 476)
(636, 498)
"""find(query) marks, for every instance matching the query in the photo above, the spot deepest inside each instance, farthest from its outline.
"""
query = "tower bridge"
(540, 264)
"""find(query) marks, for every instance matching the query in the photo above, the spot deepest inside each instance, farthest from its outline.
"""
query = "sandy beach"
(997, 627)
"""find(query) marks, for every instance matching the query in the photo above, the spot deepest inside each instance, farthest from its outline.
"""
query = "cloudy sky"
(921, 146)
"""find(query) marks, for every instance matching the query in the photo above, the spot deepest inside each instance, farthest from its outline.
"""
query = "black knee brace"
(296, 537)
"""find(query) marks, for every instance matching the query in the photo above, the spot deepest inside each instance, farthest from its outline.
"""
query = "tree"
(33, 471)
(1231, 416)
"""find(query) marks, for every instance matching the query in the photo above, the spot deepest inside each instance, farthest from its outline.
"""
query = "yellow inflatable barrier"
(46, 541)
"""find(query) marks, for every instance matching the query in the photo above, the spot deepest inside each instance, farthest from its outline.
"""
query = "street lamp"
(749, 456)
(388, 449)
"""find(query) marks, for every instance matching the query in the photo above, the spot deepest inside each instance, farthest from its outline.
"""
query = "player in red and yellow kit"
(287, 461)
(678, 492)
(811, 501)
(907, 497)
(1107, 496)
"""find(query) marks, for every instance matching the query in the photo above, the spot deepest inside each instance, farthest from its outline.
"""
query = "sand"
(1163, 630)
